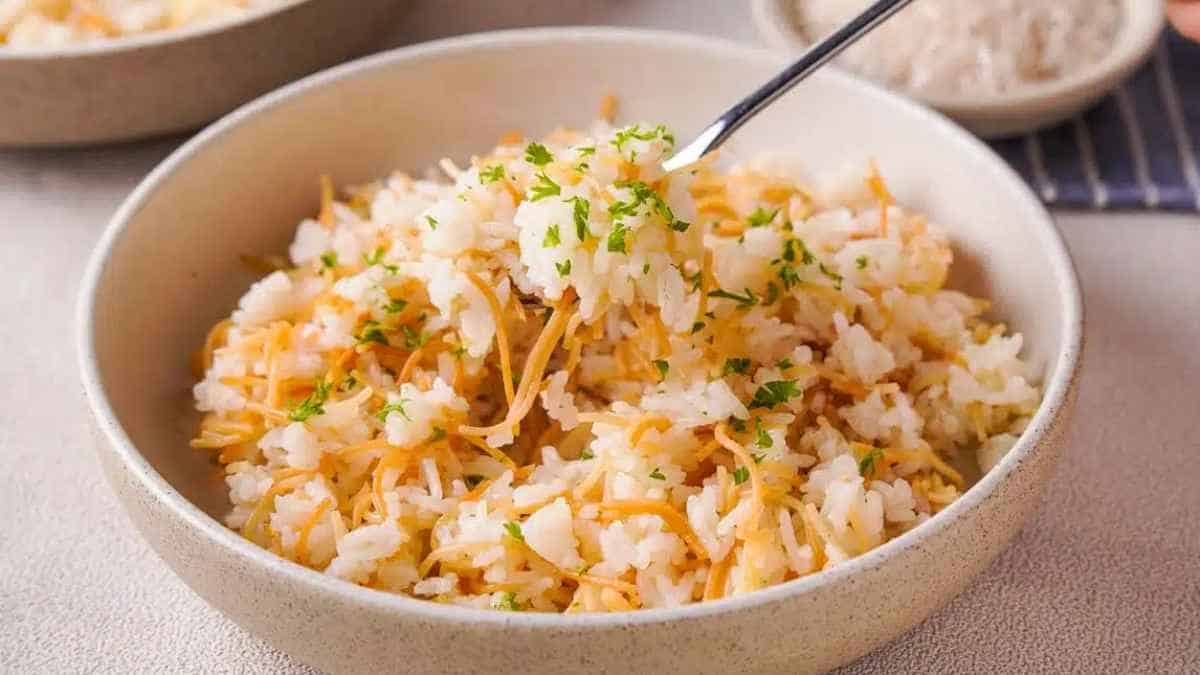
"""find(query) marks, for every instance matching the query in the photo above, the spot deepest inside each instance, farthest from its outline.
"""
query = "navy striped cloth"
(1137, 149)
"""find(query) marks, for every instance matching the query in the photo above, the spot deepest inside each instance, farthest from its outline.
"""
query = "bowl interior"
(172, 268)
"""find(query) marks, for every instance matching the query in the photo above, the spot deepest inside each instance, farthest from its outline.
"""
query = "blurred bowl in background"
(173, 80)
(1033, 106)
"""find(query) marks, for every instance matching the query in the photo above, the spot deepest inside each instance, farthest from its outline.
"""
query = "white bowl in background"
(173, 80)
(167, 267)
(1034, 106)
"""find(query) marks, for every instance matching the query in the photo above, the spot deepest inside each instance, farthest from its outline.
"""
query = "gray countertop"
(1105, 578)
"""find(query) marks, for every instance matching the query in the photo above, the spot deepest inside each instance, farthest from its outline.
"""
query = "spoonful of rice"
(716, 133)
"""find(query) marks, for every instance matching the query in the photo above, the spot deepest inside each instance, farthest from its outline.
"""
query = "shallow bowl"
(1030, 108)
(173, 80)
(167, 268)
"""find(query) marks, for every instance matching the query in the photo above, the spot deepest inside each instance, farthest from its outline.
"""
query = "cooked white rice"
(53, 23)
(951, 47)
(560, 380)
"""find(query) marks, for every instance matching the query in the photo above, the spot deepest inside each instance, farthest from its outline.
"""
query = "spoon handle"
(817, 56)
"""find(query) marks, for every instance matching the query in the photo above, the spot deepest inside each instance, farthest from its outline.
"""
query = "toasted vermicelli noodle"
(564, 381)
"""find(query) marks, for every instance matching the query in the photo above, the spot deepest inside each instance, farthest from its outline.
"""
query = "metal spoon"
(818, 55)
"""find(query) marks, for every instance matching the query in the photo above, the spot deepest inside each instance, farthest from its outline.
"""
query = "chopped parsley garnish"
(741, 475)
(374, 258)
(758, 457)
(395, 306)
(735, 365)
(663, 368)
(372, 332)
(772, 293)
(748, 299)
(349, 383)
(784, 364)
(586, 150)
(697, 327)
(491, 174)
(657, 475)
(680, 225)
(837, 278)
(616, 238)
(514, 530)
(537, 154)
(789, 276)
(413, 339)
(544, 187)
(313, 404)
(438, 434)
(564, 267)
(643, 195)
(761, 438)
(506, 601)
(635, 132)
(867, 463)
(737, 424)
(580, 208)
(861, 262)
(397, 407)
(774, 393)
(645, 268)
(472, 480)
(553, 237)
(328, 260)
(761, 217)
(789, 252)
(433, 223)
(586, 454)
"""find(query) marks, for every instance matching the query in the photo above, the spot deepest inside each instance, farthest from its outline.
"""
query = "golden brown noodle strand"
(756, 484)
(325, 217)
(301, 549)
(501, 334)
(494, 453)
(672, 517)
(714, 586)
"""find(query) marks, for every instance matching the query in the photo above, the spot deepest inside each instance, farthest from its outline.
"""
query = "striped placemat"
(1137, 149)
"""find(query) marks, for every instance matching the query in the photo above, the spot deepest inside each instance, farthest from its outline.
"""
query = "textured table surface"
(1106, 578)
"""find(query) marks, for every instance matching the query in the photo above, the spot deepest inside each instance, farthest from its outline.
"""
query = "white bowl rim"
(769, 18)
(1056, 388)
(145, 40)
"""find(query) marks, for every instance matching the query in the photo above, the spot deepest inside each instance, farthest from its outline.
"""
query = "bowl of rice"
(77, 72)
(998, 67)
(464, 380)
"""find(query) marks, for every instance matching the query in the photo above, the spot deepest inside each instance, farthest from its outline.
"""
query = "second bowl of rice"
(501, 386)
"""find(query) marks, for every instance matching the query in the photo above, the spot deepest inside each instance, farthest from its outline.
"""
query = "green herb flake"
(747, 299)
(586, 150)
(564, 267)
(543, 188)
(758, 457)
(738, 425)
(784, 364)
(375, 257)
(645, 269)
(372, 332)
(830, 274)
(635, 132)
(329, 260)
(506, 602)
(697, 327)
(789, 276)
(349, 383)
(741, 475)
(587, 454)
(772, 293)
(313, 404)
(762, 217)
(491, 174)
(657, 475)
(580, 208)
(867, 463)
(663, 368)
(397, 407)
(774, 393)
(735, 365)
(514, 530)
(438, 434)
(553, 237)
(761, 438)
(395, 306)
(472, 480)
(861, 262)
(413, 339)
(537, 154)
(433, 223)
(616, 238)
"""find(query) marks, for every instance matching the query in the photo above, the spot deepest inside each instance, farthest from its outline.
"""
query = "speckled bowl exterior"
(167, 267)
(169, 81)
(1017, 112)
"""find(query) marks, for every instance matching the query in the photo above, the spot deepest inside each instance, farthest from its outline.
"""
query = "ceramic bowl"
(1034, 107)
(167, 268)
(161, 82)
